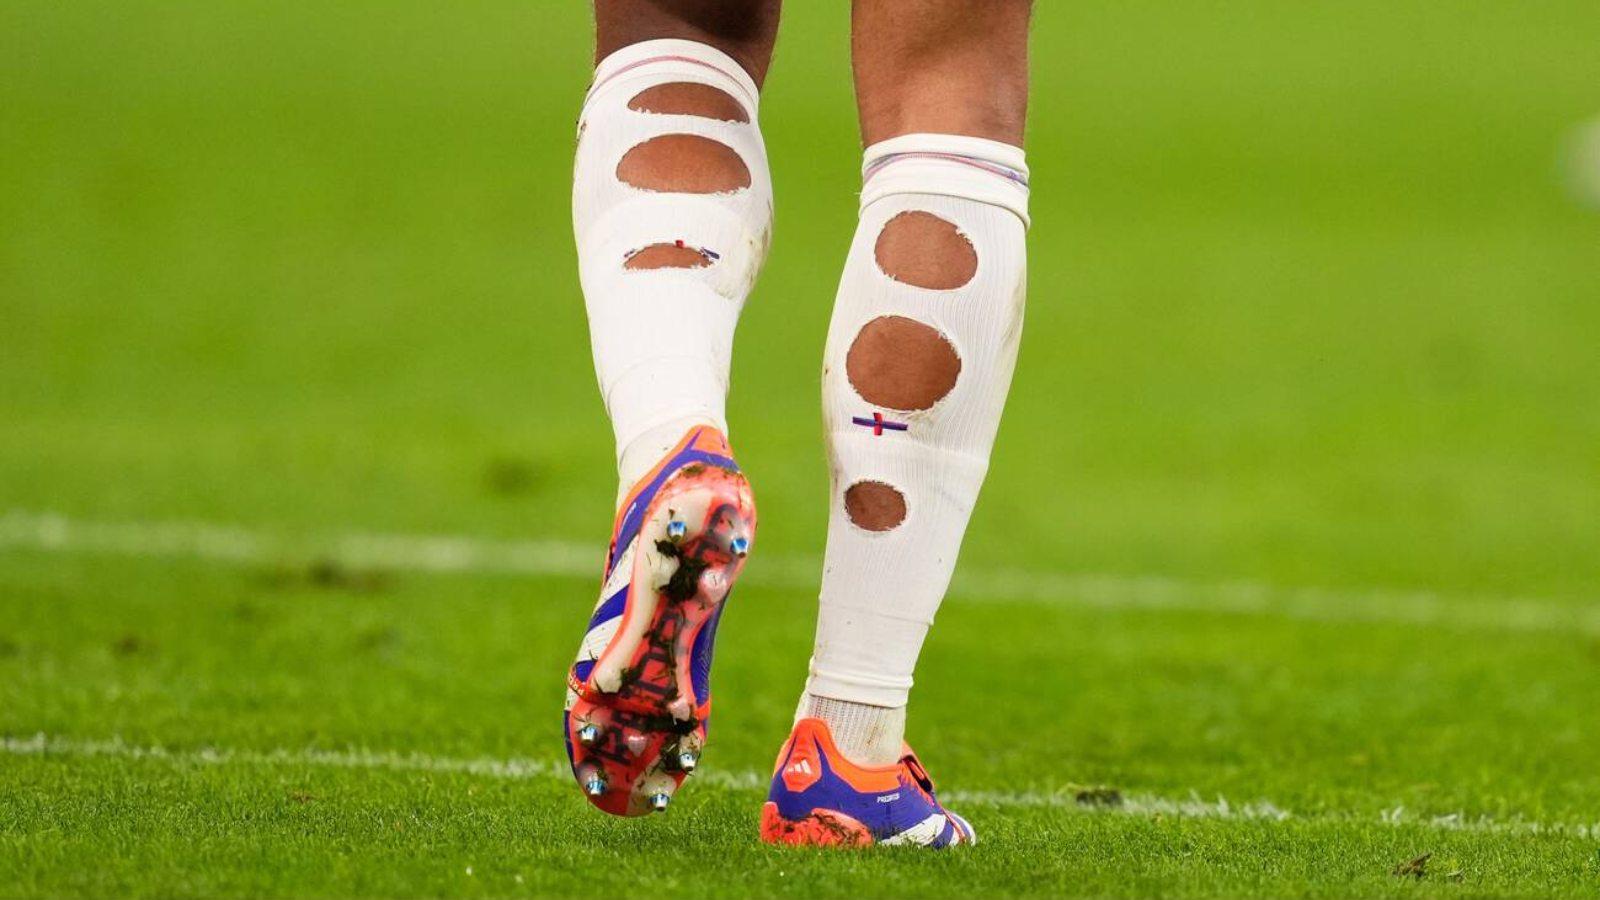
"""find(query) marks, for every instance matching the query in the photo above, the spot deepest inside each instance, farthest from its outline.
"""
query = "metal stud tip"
(594, 787)
(658, 802)
(588, 734)
(739, 546)
(687, 761)
(676, 530)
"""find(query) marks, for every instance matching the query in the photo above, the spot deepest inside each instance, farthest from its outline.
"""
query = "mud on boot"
(639, 696)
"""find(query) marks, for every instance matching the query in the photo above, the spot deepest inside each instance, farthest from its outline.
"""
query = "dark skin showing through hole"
(925, 251)
(683, 163)
(900, 363)
(666, 256)
(874, 505)
(683, 98)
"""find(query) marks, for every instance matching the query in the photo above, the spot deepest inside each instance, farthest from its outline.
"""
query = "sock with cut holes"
(918, 363)
(672, 208)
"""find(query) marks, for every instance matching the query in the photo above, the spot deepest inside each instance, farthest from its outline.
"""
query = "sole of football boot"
(635, 730)
(822, 828)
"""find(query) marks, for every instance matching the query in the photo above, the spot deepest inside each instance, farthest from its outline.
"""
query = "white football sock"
(663, 337)
(882, 585)
(867, 735)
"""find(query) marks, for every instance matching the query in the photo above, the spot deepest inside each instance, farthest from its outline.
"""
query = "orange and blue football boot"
(819, 798)
(639, 694)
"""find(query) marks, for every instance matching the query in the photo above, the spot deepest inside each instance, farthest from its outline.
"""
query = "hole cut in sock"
(900, 363)
(684, 164)
(667, 256)
(925, 251)
(687, 98)
(875, 506)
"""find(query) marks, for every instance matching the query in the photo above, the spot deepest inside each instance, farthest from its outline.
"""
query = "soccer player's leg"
(918, 363)
(672, 207)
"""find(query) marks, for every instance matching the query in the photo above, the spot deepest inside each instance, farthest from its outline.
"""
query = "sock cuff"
(672, 59)
(864, 684)
(951, 165)
(861, 690)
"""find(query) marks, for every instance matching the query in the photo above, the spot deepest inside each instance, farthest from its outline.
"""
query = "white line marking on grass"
(42, 745)
(1192, 807)
(238, 545)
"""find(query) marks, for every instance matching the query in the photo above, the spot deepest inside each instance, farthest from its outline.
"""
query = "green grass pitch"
(1287, 573)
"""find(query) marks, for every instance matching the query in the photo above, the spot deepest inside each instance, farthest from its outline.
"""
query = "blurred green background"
(1309, 301)
(1312, 305)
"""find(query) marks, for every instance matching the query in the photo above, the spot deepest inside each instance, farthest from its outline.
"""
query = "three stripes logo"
(803, 769)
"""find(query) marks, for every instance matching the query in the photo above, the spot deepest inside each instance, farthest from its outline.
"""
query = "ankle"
(867, 735)
(642, 453)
